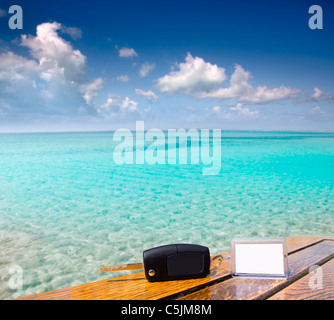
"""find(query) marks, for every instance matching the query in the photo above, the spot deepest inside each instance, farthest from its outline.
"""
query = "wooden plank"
(317, 286)
(135, 286)
(299, 242)
(130, 287)
(249, 289)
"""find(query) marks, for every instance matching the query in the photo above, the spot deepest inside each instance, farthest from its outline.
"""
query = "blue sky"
(102, 65)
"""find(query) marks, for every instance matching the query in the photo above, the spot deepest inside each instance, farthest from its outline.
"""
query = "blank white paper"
(259, 258)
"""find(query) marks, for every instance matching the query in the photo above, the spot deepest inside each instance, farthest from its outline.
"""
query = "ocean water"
(66, 206)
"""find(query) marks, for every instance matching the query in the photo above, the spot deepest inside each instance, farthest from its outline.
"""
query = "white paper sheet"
(258, 258)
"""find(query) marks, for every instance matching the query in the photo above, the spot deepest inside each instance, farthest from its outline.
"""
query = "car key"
(171, 262)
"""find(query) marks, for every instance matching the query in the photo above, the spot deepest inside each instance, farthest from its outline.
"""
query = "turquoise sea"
(67, 208)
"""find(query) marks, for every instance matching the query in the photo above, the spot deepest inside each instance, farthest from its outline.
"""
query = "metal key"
(121, 267)
(171, 262)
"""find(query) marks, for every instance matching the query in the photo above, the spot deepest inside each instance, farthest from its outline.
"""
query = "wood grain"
(308, 287)
(136, 287)
(299, 242)
(131, 287)
(250, 289)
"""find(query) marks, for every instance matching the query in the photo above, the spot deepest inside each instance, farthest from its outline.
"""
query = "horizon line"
(223, 130)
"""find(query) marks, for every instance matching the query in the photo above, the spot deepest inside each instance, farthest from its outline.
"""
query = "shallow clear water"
(66, 207)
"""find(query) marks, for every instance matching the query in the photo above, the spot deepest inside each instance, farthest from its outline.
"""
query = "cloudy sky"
(102, 65)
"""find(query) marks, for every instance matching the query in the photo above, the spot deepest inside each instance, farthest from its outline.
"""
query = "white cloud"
(234, 112)
(56, 57)
(194, 74)
(319, 95)
(239, 86)
(123, 78)
(145, 69)
(14, 68)
(18, 95)
(315, 114)
(117, 105)
(263, 94)
(149, 95)
(127, 52)
(316, 110)
(54, 80)
(241, 89)
(74, 33)
(244, 111)
(200, 79)
(90, 90)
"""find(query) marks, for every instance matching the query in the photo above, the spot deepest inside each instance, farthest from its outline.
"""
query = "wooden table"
(305, 252)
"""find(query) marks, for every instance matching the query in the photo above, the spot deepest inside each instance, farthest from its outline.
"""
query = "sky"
(230, 65)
